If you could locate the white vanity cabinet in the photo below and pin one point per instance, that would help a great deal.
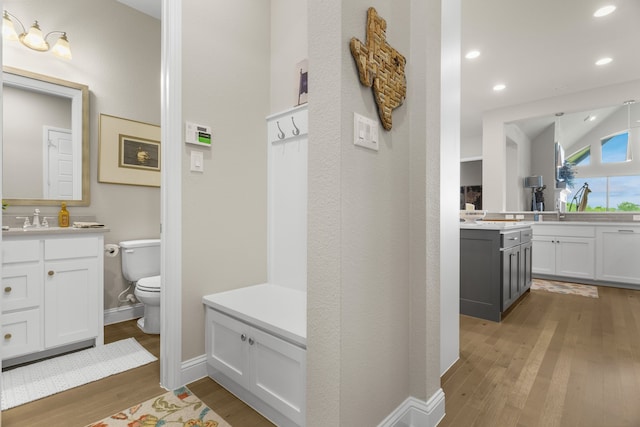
(564, 251)
(22, 278)
(52, 297)
(618, 252)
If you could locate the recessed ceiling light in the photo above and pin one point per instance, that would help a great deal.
(603, 61)
(499, 87)
(472, 54)
(604, 11)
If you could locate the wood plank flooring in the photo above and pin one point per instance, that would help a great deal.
(555, 360)
(92, 402)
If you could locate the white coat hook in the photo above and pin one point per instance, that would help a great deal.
(295, 130)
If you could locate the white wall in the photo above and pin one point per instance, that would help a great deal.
(615, 123)
(493, 137)
(543, 162)
(471, 147)
(122, 71)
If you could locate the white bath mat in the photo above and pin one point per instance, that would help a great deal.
(51, 376)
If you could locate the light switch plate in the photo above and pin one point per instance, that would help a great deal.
(365, 132)
(197, 161)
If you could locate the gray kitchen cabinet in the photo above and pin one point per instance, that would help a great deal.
(495, 269)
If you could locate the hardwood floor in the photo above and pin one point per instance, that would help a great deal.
(92, 402)
(555, 360)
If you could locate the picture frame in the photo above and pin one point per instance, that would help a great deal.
(302, 74)
(139, 153)
(129, 152)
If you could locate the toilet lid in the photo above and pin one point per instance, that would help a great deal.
(149, 284)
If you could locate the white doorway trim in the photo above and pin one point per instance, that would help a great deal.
(171, 196)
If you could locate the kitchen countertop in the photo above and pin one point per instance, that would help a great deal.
(590, 223)
(495, 225)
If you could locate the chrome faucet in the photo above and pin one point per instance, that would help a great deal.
(36, 218)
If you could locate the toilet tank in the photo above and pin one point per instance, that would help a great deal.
(140, 258)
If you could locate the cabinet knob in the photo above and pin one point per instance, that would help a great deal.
(7, 289)
(243, 337)
(7, 336)
(251, 341)
(51, 273)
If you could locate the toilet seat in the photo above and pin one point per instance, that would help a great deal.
(149, 284)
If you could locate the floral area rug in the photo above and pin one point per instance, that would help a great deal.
(175, 408)
(565, 288)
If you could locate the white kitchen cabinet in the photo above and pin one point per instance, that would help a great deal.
(52, 294)
(618, 249)
(564, 251)
(260, 364)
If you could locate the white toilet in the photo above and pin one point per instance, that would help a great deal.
(141, 265)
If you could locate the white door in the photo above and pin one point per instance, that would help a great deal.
(60, 162)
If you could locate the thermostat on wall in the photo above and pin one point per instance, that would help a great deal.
(197, 134)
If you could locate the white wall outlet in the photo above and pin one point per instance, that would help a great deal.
(520, 216)
(508, 216)
(197, 161)
(636, 217)
(365, 132)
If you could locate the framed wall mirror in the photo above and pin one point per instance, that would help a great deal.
(45, 140)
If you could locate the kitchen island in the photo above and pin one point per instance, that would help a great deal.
(495, 267)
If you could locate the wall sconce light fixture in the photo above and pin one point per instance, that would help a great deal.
(33, 39)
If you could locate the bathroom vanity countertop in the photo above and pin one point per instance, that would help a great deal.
(279, 310)
(52, 231)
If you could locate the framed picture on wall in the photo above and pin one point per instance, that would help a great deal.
(139, 153)
(302, 72)
(129, 152)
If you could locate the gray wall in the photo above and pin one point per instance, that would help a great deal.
(373, 290)
(116, 52)
(471, 173)
(224, 208)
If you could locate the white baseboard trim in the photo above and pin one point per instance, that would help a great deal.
(121, 314)
(193, 369)
(417, 413)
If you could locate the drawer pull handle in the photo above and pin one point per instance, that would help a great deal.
(7, 336)
(251, 341)
(243, 337)
(51, 273)
(625, 231)
(513, 238)
(8, 289)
